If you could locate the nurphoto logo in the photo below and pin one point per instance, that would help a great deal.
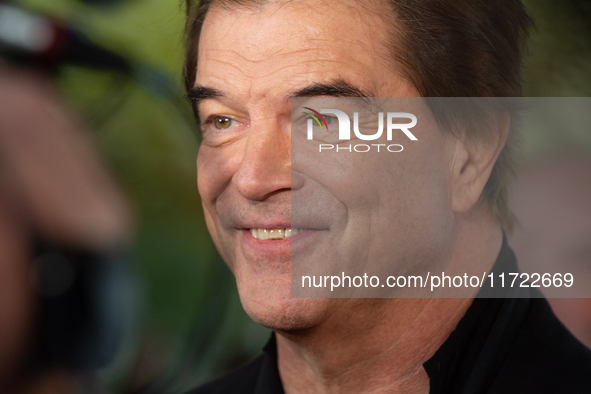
(344, 122)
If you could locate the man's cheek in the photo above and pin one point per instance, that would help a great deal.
(221, 240)
(215, 169)
(209, 195)
(209, 183)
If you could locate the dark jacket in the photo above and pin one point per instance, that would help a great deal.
(501, 346)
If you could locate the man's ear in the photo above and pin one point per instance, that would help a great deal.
(472, 164)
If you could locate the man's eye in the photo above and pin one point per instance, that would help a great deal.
(223, 122)
(327, 119)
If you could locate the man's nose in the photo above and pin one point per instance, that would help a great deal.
(265, 168)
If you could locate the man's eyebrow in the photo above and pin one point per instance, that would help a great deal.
(338, 88)
(198, 93)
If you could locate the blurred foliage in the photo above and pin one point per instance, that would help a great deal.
(189, 332)
(559, 61)
(558, 65)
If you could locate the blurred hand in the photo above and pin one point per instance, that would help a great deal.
(50, 171)
(52, 185)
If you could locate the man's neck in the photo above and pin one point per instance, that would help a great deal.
(380, 345)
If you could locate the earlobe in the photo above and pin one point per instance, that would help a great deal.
(472, 165)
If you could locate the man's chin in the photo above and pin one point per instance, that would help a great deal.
(270, 305)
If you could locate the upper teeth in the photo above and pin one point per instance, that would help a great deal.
(275, 233)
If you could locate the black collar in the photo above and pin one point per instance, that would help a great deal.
(470, 359)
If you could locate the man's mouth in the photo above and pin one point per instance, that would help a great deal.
(273, 234)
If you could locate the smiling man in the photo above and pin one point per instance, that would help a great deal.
(442, 203)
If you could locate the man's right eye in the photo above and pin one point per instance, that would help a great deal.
(223, 122)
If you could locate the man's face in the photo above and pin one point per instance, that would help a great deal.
(255, 60)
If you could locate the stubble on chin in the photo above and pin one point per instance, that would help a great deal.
(270, 304)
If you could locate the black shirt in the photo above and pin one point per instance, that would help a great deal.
(501, 345)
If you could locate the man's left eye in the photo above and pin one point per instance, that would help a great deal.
(223, 122)
(327, 119)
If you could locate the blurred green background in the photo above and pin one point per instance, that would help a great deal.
(192, 324)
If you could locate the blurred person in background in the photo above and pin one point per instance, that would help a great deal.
(551, 200)
(63, 224)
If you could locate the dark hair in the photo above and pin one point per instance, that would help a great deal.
(445, 48)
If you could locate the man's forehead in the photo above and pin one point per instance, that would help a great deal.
(299, 28)
(312, 16)
(295, 42)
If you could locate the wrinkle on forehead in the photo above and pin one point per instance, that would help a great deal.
(261, 51)
(307, 24)
(264, 71)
